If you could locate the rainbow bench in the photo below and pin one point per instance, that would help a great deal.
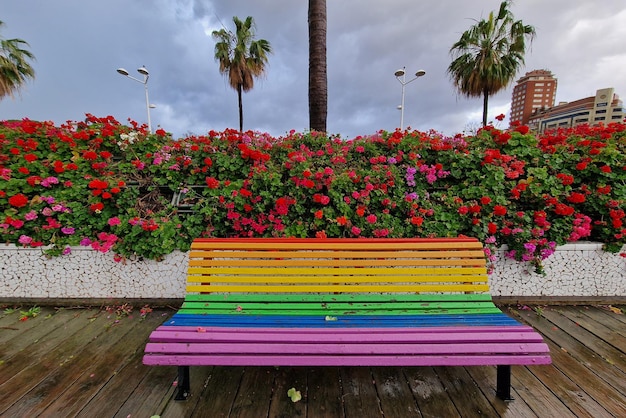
(341, 302)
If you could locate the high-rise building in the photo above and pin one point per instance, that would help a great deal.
(534, 91)
(604, 107)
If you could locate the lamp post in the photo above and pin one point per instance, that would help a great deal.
(401, 77)
(143, 71)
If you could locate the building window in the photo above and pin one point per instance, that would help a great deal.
(603, 104)
(599, 118)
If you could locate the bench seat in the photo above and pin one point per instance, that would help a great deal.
(348, 302)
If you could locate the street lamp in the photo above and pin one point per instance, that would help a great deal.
(143, 71)
(401, 77)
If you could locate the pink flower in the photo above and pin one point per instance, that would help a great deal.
(356, 231)
(49, 181)
(371, 218)
(114, 221)
(25, 240)
(30, 216)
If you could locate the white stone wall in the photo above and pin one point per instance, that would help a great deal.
(574, 270)
(85, 273)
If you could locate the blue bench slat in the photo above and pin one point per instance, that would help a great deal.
(365, 321)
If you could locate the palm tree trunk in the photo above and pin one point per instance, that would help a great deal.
(239, 94)
(318, 82)
(485, 106)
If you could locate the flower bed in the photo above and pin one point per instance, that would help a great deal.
(117, 189)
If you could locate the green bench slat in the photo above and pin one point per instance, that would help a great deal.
(341, 308)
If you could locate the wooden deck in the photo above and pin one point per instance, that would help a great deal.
(87, 363)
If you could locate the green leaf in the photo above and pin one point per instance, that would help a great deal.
(294, 394)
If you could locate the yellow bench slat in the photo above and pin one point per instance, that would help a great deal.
(383, 288)
(288, 280)
(338, 271)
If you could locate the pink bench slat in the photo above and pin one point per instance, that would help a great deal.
(328, 360)
(389, 336)
(382, 347)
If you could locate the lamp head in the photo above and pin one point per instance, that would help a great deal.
(142, 70)
(399, 73)
(420, 73)
(122, 71)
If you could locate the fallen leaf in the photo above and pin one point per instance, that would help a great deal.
(615, 310)
(294, 394)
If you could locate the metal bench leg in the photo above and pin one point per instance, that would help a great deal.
(183, 383)
(503, 388)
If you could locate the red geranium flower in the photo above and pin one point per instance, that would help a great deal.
(575, 197)
(18, 201)
(499, 210)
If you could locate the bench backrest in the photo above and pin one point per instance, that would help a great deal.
(305, 265)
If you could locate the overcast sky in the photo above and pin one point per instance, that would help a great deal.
(79, 44)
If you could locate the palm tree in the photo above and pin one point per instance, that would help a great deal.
(14, 66)
(241, 57)
(489, 54)
(318, 82)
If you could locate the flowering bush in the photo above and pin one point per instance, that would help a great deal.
(118, 188)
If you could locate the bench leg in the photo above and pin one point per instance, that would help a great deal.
(182, 392)
(503, 388)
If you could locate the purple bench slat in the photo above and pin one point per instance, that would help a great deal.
(383, 348)
(444, 335)
(355, 330)
(328, 360)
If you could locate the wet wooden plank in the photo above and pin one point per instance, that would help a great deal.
(101, 368)
(536, 395)
(281, 405)
(601, 392)
(396, 397)
(220, 393)
(324, 394)
(430, 394)
(608, 318)
(464, 392)
(485, 378)
(50, 326)
(605, 332)
(580, 379)
(12, 330)
(581, 350)
(255, 393)
(122, 386)
(156, 394)
(571, 387)
(20, 374)
(73, 357)
(359, 393)
(569, 393)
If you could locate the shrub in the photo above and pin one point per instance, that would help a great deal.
(118, 188)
